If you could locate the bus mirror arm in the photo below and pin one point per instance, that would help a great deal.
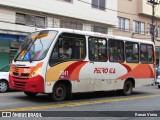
(30, 59)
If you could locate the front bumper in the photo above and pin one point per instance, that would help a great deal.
(35, 84)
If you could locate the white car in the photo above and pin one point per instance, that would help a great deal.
(158, 81)
(4, 79)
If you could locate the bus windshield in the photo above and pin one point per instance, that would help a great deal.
(35, 46)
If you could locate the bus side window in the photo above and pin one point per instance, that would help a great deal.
(116, 50)
(54, 54)
(132, 52)
(150, 54)
(97, 49)
(143, 53)
(68, 47)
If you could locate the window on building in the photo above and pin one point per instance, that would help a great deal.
(148, 29)
(100, 29)
(131, 51)
(123, 24)
(138, 27)
(97, 49)
(157, 31)
(99, 4)
(116, 50)
(71, 24)
(40, 21)
(146, 53)
(30, 20)
(20, 19)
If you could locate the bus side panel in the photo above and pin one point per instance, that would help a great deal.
(98, 76)
(143, 82)
(139, 71)
(106, 74)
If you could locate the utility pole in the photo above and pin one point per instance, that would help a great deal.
(152, 29)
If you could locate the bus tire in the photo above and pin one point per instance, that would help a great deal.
(30, 94)
(3, 86)
(59, 92)
(127, 88)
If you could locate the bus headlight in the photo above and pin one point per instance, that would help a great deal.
(35, 72)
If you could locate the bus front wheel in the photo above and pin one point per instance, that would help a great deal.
(59, 92)
(127, 88)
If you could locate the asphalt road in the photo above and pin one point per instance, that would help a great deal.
(99, 105)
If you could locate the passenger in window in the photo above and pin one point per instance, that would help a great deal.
(135, 57)
(143, 57)
(115, 57)
(66, 51)
(118, 57)
(103, 57)
(150, 59)
(110, 57)
(129, 57)
(54, 55)
(91, 55)
(110, 54)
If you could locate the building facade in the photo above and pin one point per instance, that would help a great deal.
(134, 20)
(19, 17)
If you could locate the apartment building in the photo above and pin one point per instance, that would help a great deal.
(19, 17)
(134, 19)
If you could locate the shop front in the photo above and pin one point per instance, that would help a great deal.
(8, 47)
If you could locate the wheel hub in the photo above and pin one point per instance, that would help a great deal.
(59, 92)
(3, 86)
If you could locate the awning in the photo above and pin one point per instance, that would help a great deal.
(12, 37)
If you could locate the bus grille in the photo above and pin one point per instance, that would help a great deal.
(18, 84)
(24, 75)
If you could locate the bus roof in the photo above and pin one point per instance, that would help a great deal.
(96, 34)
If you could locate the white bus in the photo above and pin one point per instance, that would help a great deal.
(91, 62)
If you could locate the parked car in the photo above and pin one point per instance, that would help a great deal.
(158, 77)
(4, 81)
(158, 81)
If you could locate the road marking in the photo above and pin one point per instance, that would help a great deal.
(73, 104)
